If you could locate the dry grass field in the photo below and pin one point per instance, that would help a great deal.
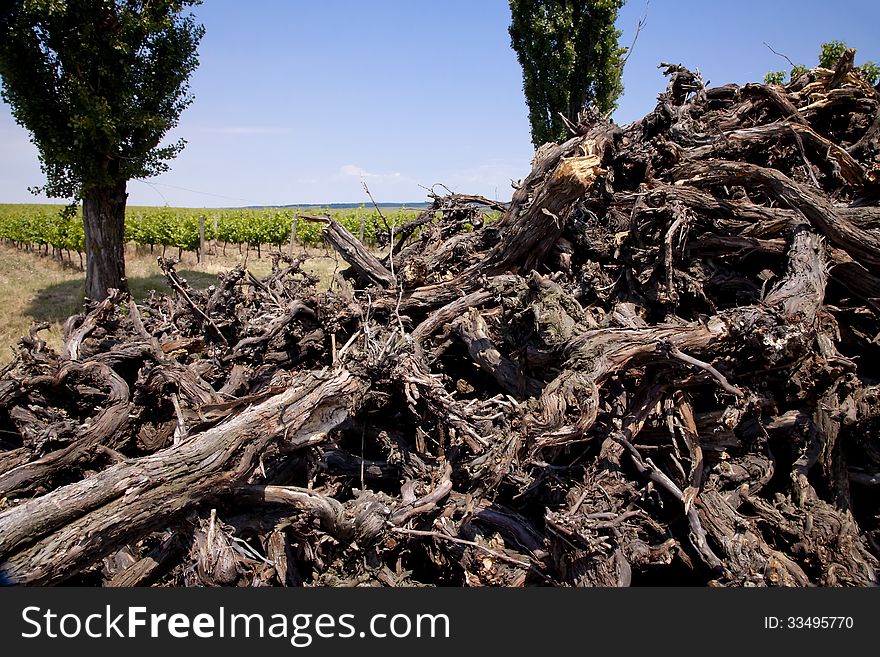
(35, 288)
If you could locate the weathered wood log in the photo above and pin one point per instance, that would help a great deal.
(45, 540)
(473, 330)
(144, 571)
(530, 232)
(353, 252)
(274, 327)
(861, 245)
(758, 137)
(105, 430)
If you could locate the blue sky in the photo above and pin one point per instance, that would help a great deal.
(298, 102)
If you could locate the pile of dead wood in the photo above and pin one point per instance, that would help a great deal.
(658, 364)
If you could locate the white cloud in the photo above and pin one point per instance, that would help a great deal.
(247, 130)
(358, 172)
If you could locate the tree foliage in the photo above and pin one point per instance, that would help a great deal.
(98, 83)
(830, 53)
(569, 53)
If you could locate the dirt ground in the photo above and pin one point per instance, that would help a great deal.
(37, 288)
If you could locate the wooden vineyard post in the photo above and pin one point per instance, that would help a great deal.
(363, 222)
(293, 227)
(138, 247)
(214, 238)
(201, 255)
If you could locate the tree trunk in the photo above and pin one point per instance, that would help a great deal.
(104, 226)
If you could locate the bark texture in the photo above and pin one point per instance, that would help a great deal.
(104, 227)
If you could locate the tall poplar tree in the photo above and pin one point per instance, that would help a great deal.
(98, 84)
(569, 53)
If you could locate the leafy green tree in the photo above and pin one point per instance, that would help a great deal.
(870, 71)
(569, 53)
(775, 77)
(829, 54)
(98, 83)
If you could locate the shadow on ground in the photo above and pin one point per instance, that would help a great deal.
(55, 303)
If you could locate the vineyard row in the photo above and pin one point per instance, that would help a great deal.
(45, 227)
